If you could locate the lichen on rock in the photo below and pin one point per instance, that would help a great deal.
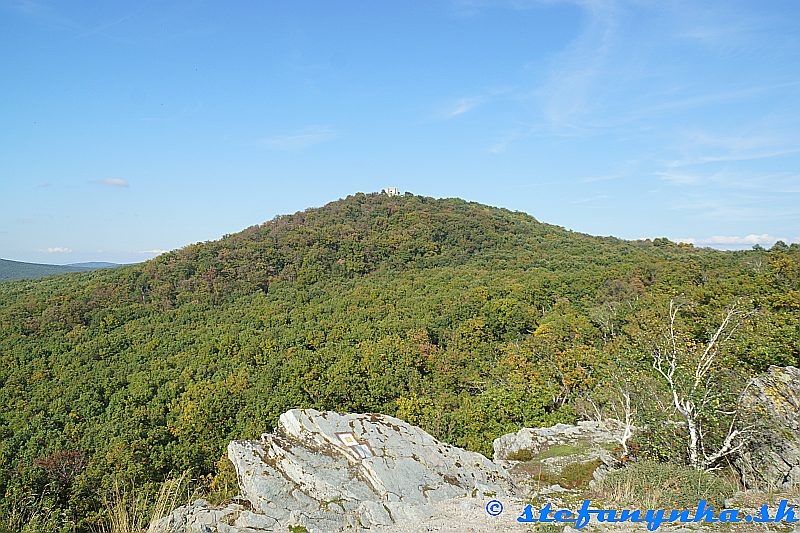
(770, 458)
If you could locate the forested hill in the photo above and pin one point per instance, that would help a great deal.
(18, 270)
(10, 270)
(467, 320)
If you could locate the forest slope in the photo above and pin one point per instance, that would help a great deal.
(468, 320)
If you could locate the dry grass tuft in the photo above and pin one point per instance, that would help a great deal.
(651, 485)
(130, 511)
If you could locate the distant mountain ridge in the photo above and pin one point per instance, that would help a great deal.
(11, 270)
(94, 264)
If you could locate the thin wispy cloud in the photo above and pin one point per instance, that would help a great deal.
(769, 136)
(571, 88)
(58, 250)
(597, 201)
(604, 177)
(475, 7)
(466, 104)
(782, 183)
(300, 139)
(41, 13)
(606, 81)
(59, 17)
(566, 96)
(498, 147)
(507, 139)
(102, 28)
(680, 178)
(620, 171)
(736, 207)
(715, 208)
(113, 182)
(669, 101)
(154, 251)
(742, 155)
(715, 34)
(741, 162)
(719, 25)
(461, 106)
(752, 182)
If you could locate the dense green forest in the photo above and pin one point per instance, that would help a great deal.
(467, 320)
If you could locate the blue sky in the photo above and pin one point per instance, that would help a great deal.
(129, 128)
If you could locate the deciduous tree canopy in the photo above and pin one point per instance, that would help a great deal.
(468, 320)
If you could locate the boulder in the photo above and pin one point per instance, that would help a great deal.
(327, 471)
(770, 458)
(593, 438)
(564, 456)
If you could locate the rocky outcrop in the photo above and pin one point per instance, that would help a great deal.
(563, 456)
(770, 459)
(590, 438)
(327, 471)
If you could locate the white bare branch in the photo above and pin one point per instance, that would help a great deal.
(671, 356)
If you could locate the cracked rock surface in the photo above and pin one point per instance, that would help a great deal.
(770, 458)
(327, 471)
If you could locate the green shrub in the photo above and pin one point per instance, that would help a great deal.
(662, 442)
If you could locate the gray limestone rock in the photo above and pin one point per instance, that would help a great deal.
(327, 471)
(590, 437)
(200, 517)
(563, 455)
(770, 459)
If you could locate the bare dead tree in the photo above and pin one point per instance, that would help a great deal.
(692, 393)
(619, 408)
(627, 428)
